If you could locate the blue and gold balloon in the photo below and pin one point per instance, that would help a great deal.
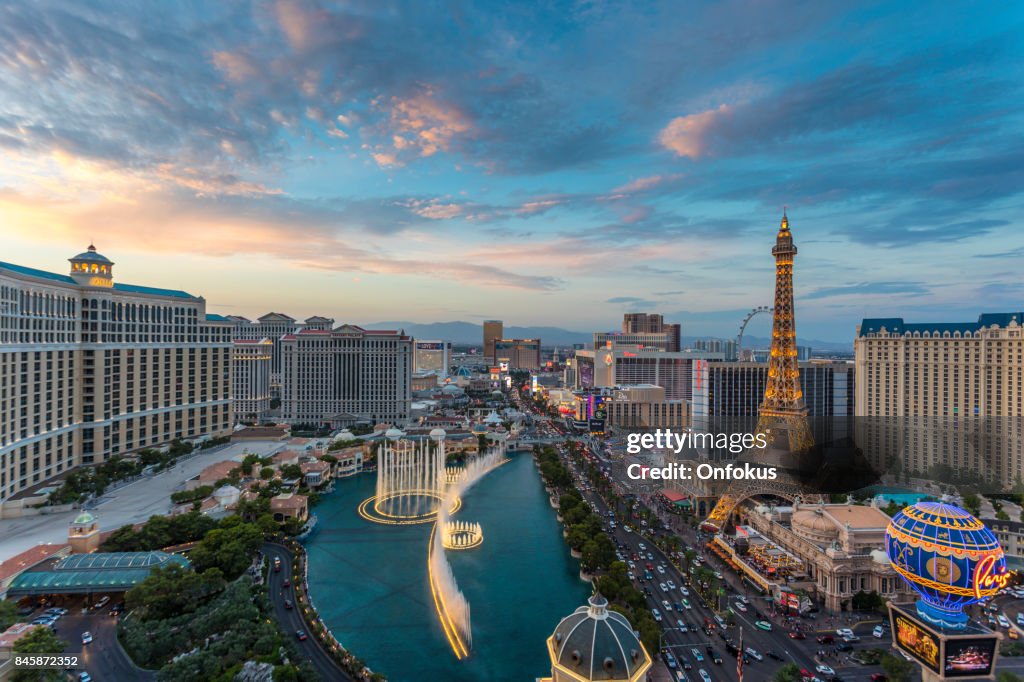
(948, 557)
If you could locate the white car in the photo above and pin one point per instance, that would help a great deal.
(86, 637)
(685, 592)
(661, 569)
(741, 607)
(754, 653)
(844, 632)
(663, 586)
(824, 669)
(671, 585)
(668, 607)
(704, 675)
(682, 626)
(1003, 622)
(657, 615)
(642, 547)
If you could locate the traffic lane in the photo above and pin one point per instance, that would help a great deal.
(103, 658)
(291, 620)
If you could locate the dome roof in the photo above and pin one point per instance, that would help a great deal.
(437, 434)
(393, 433)
(226, 490)
(814, 521)
(91, 256)
(596, 643)
(452, 389)
(84, 518)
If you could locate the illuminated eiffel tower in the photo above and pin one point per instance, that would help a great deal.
(783, 414)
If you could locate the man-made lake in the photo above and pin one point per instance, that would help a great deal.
(370, 584)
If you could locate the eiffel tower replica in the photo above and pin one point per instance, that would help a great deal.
(782, 418)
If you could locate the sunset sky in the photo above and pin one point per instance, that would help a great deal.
(549, 163)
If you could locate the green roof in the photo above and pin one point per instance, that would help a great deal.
(154, 291)
(127, 288)
(32, 272)
(98, 572)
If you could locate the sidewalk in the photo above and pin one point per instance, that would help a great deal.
(133, 502)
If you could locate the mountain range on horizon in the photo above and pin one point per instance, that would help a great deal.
(469, 333)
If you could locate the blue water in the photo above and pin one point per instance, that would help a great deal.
(898, 495)
(370, 582)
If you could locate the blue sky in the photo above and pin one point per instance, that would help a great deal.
(545, 163)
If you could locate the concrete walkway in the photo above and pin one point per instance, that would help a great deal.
(132, 503)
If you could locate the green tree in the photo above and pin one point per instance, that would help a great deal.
(41, 640)
(8, 614)
(266, 473)
(173, 591)
(1009, 677)
(229, 548)
(788, 673)
(897, 668)
(291, 472)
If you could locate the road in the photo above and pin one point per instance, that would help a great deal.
(103, 658)
(800, 652)
(291, 620)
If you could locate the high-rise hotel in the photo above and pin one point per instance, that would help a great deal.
(948, 393)
(346, 375)
(90, 368)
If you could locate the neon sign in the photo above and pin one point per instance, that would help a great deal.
(986, 578)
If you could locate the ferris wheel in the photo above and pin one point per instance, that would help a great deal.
(743, 327)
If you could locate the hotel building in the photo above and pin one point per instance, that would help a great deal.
(518, 353)
(642, 329)
(273, 326)
(90, 369)
(250, 363)
(432, 356)
(346, 376)
(493, 330)
(645, 407)
(948, 393)
(633, 365)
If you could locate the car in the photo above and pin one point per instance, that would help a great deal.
(844, 632)
(686, 664)
(664, 602)
(878, 632)
(704, 675)
(879, 677)
(774, 656)
(825, 639)
(657, 615)
(753, 653)
(715, 656)
(764, 625)
(288, 603)
(796, 634)
(824, 670)
(1003, 622)
(650, 556)
(1012, 634)
(84, 677)
(679, 607)
(642, 547)
(740, 606)
(101, 603)
(851, 638)
(670, 660)
(844, 646)
(686, 604)
(300, 635)
(671, 585)
(86, 637)
(683, 591)
(719, 575)
(697, 655)
(59, 611)
(743, 598)
(663, 586)
(648, 576)
(661, 569)
(681, 625)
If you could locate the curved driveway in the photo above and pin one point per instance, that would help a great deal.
(291, 620)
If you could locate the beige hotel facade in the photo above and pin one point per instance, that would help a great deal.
(91, 368)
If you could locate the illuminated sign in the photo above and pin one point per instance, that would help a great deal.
(969, 657)
(987, 576)
(424, 345)
(914, 638)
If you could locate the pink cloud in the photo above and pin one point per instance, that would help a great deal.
(688, 135)
(642, 184)
(421, 125)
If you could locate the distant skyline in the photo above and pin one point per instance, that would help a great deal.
(547, 164)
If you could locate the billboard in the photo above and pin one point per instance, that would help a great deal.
(969, 657)
(912, 636)
(429, 345)
(595, 425)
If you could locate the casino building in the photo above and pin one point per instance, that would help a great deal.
(91, 368)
